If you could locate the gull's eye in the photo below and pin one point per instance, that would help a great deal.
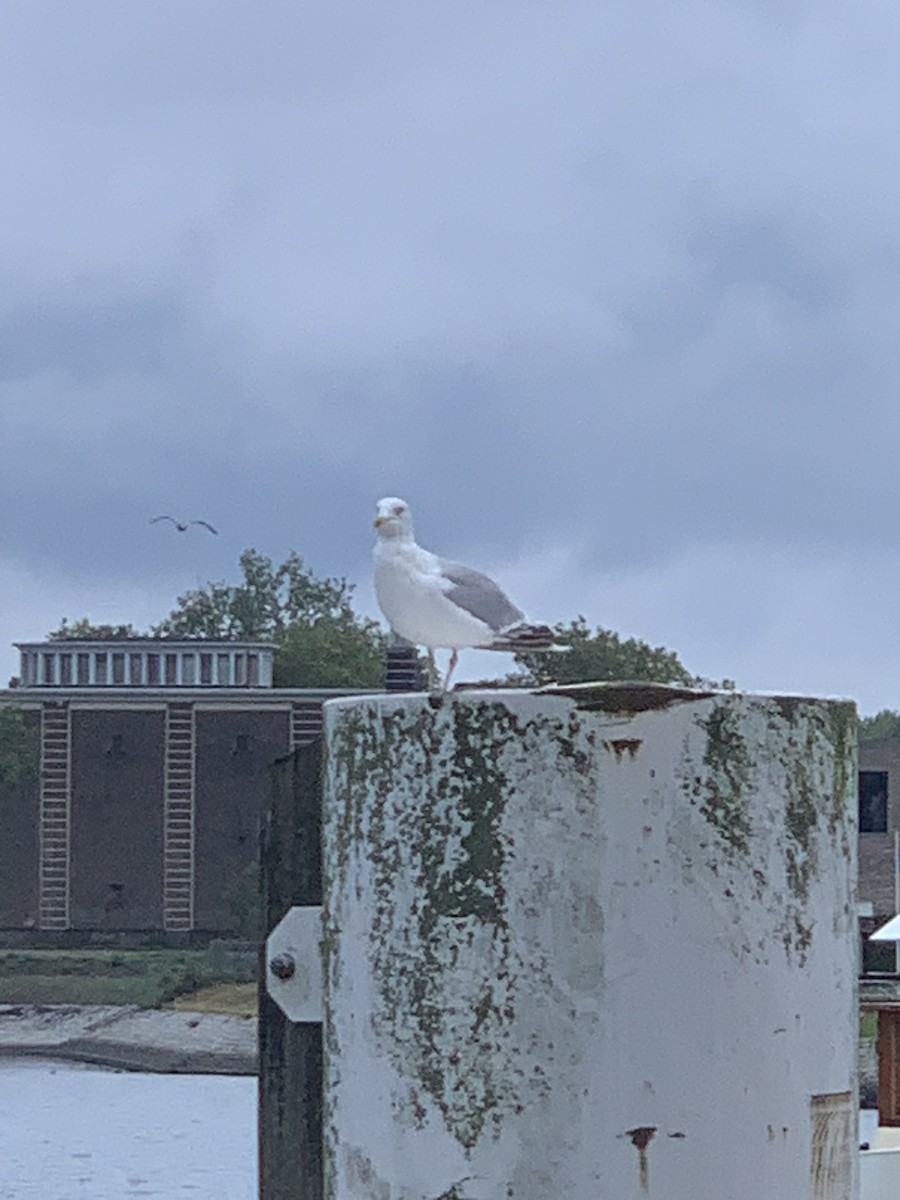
(399, 510)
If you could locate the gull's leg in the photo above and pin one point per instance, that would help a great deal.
(454, 659)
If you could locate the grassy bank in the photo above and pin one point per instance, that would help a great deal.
(238, 998)
(149, 978)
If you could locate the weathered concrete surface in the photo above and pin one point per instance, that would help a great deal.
(595, 943)
(132, 1038)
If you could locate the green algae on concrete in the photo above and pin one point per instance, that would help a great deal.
(445, 840)
(421, 794)
(798, 749)
(723, 791)
(502, 870)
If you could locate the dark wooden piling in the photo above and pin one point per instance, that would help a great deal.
(290, 1054)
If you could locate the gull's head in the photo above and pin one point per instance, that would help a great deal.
(393, 518)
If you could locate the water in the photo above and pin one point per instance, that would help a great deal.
(69, 1132)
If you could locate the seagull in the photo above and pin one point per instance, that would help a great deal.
(439, 604)
(183, 526)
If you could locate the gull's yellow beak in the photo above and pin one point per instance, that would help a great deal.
(379, 521)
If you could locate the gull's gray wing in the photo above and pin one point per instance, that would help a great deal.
(479, 595)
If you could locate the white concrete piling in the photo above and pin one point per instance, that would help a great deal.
(597, 944)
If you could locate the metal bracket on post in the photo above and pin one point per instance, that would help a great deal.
(294, 977)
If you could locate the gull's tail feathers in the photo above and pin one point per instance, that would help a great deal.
(525, 637)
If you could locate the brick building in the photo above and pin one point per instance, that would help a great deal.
(150, 775)
(879, 826)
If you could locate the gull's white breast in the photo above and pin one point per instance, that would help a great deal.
(411, 593)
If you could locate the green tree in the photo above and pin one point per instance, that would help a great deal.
(883, 727)
(319, 640)
(341, 651)
(83, 630)
(603, 655)
(262, 606)
(20, 749)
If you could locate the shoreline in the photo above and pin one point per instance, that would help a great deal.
(126, 1037)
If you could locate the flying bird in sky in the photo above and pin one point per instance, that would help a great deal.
(439, 604)
(183, 526)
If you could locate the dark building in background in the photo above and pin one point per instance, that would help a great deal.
(150, 774)
(879, 845)
(150, 778)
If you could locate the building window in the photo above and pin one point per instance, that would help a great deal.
(240, 670)
(171, 670)
(242, 757)
(253, 670)
(49, 673)
(118, 668)
(878, 958)
(115, 752)
(116, 899)
(137, 673)
(224, 671)
(100, 667)
(873, 798)
(205, 669)
(65, 669)
(84, 670)
(153, 670)
(187, 670)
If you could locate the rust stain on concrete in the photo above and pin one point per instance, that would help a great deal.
(622, 746)
(641, 1137)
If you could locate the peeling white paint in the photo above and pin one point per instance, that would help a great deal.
(581, 952)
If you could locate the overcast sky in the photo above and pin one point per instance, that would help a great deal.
(608, 290)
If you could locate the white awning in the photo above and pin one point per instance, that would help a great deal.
(887, 933)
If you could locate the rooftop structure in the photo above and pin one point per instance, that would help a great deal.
(145, 663)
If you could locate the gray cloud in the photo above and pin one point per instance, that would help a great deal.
(621, 278)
